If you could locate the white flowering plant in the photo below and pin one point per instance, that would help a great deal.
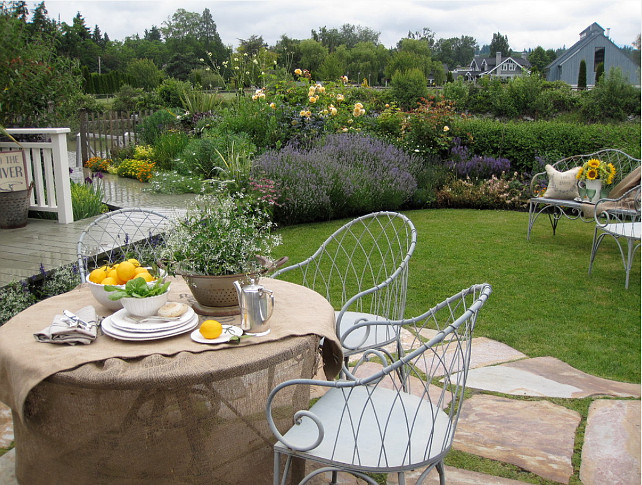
(220, 234)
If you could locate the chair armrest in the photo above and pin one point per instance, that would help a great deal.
(625, 208)
(536, 183)
(300, 414)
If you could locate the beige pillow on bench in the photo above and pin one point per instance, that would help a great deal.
(561, 185)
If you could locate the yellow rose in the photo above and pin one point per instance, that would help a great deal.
(298, 72)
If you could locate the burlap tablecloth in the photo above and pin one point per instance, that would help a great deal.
(163, 411)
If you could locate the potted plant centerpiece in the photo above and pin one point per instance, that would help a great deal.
(222, 238)
(595, 174)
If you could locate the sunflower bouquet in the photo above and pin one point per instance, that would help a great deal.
(596, 169)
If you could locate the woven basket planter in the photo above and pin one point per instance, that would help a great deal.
(14, 208)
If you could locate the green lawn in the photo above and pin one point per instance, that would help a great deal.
(544, 303)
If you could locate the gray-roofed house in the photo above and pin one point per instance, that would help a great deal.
(594, 48)
(497, 66)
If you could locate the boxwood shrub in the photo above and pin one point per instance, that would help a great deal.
(522, 142)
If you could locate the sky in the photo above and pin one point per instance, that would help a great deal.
(551, 24)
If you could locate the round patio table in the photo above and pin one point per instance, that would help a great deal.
(178, 412)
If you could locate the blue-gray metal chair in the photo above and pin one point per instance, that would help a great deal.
(362, 270)
(124, 233)
(398, 418)
(620, 219)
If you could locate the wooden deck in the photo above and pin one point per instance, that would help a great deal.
(49, 245)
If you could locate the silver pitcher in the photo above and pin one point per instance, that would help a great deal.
(257, 304)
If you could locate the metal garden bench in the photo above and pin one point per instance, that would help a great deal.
(572, 208)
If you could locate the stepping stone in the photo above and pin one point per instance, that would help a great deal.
(484, 352)
(454, 476)
(8, 468)
(546, 376)
(537, 436)
(611, 451)
(6, 427)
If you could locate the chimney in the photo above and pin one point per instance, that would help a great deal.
(498, 58)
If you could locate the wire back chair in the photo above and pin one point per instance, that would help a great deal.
(121, 234)
(362, 270)
(398, 418)
(620, 219)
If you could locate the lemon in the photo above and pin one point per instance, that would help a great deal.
(133, 261)
(146, 276)
(113, 274)
(97, 275)
(126, 271)
(211, 329)
(141, 269)
(109, 281)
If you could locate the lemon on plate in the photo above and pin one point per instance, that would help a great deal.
(211, 329)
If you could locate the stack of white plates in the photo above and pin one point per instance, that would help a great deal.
(123, 326)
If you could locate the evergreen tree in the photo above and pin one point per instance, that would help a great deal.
(581, 77)
(500, 44)
(599, 72)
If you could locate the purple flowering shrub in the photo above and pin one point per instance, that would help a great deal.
(476, 166)
(342, 175)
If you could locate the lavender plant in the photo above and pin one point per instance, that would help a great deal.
(341, 175)
(476, 166)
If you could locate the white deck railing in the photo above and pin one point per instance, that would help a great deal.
(47, 168)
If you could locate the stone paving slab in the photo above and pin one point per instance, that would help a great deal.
(454, 476)
(485, 351)
(6, 426)
(537, 436)
(611, 451)
(8, 468)
(546, 376)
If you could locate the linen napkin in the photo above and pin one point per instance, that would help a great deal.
(67, 330)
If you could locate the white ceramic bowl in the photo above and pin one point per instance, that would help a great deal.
(144, 307)
(102, 297)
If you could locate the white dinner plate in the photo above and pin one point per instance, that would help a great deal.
(109, 329)
(229, 331)
(122, 321)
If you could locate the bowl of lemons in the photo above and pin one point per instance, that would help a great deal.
(118, 274)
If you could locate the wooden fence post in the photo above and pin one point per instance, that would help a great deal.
(84, 129)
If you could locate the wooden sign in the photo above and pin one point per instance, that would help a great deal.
(13, 171)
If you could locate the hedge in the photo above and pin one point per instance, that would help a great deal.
(522, 142)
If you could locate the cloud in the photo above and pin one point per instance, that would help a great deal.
(526, 23)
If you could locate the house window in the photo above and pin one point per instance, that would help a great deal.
(599, 57)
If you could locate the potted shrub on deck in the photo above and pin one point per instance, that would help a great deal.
(216, 243)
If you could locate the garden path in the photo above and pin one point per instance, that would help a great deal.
(510, 417)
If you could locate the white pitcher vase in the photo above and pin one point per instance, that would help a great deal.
(595, 185)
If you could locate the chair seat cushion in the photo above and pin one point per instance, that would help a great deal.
(623, 229)
(374, 335)
(561, 185)
(369, 429)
